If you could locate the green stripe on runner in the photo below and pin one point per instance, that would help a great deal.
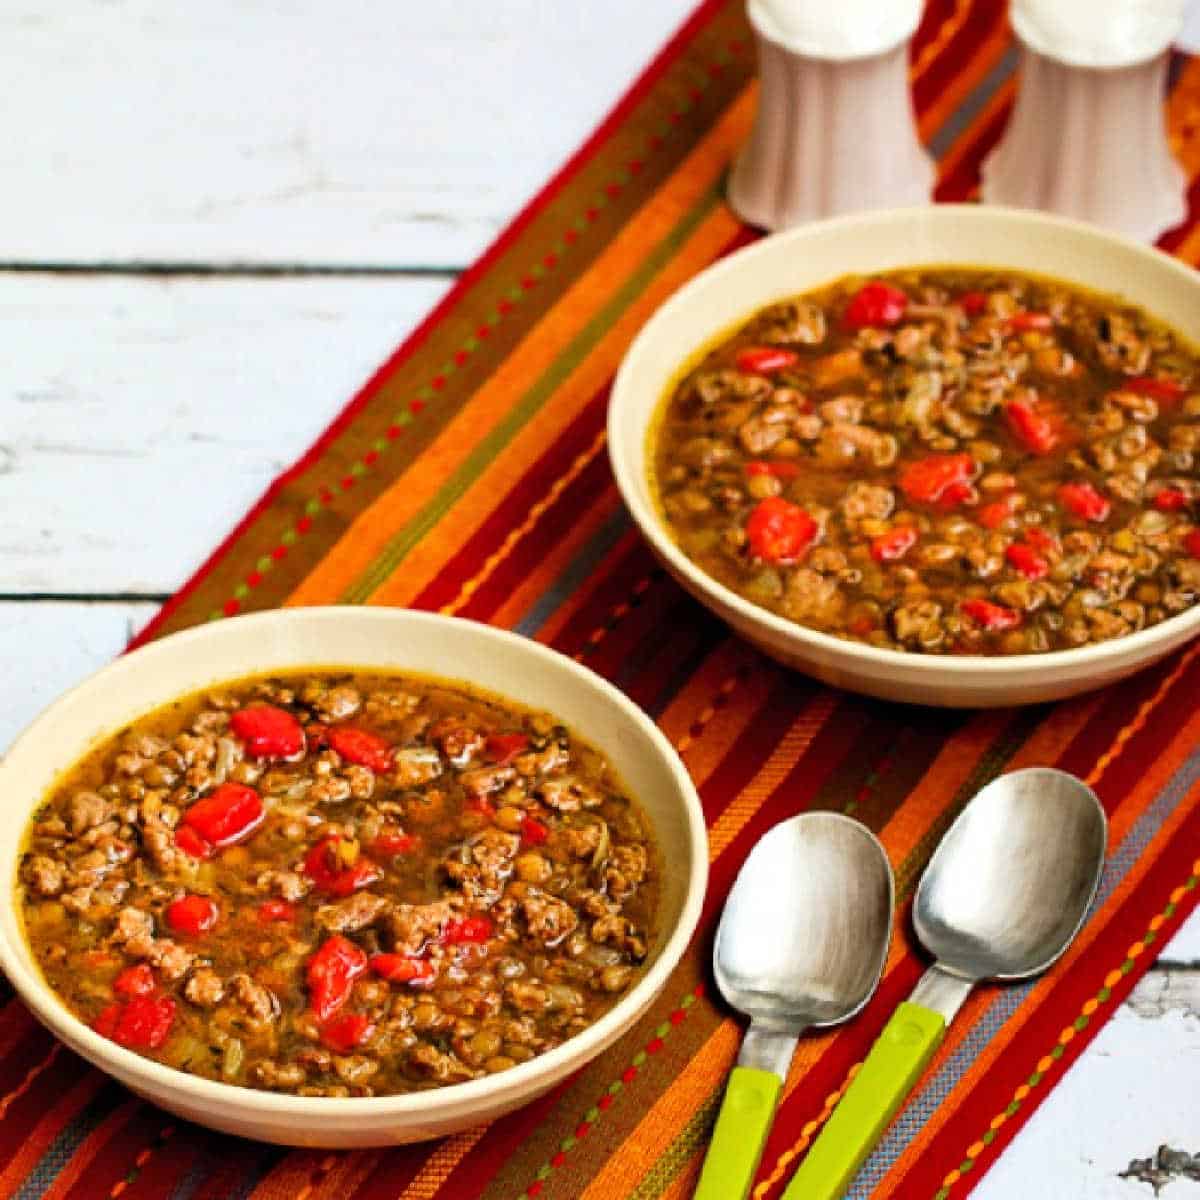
(401, 544)
(681, 1151)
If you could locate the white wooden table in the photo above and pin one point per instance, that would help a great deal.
(217, 219)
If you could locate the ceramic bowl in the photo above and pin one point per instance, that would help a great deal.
(371, 639)
(968, 235)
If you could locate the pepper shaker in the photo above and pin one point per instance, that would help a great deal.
(1087, 137)
(834, 131)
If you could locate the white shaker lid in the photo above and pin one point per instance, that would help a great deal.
(835, 29)
(1098, 33)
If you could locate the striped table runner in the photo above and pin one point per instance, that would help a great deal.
(469, 477)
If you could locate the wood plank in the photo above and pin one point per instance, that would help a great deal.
(139, 418)
(403, 133)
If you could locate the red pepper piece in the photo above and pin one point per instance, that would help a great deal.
(331, 974)
(779, 531)
(191, 843)
(1170, 499)
(875, 304)
(268, 732)
(141, 1023)
(1084, 501)
(956, 494)
(1039, 539)
(467, 929)
(275, 910)
(1036, 430)
(1022, 321)
(344, 1033)
(993, 515)
(137, 980)
(1157, 387)
(231, 813)
(105, 1023)
(362, 748)
(317, 735)
(192, 915)
(1027, 561)
(763, 360)
(1191, 543)
(403, 968)
(893, 545)
(533, 831)
(991, 616)
(504, 747)
(929, 479)
(973, 303)
(393, 842)
(781, 470)
(328, 873)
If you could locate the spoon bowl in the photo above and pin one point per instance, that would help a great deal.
(805, 930)
(1010, 884)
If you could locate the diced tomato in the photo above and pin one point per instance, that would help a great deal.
(1039, 539)
(331, 974)
(403, 968)
(1084, 501)
(1191, 543)
(344, 1033)
(141, 1023)
(1027, 561)
(192, 915)
(779, 531)
(533, 831)
(991, 616)
(191, 843)
(137, 980)
(232, 812)
(1170, 499)
(993, 515)
(362, 748)
(893, 545)
(929, 479)
(765, 359)
(270, 911)
(1022, 321)
(393, 842)
(875, 304)
(331, 875)
(1157, 387)
(1034, 428)
(268, 732)
(956, 494)
(973, 303)
(504, 747)
(467, 929)
(482, 805)
(781, 470)
(105, 1023)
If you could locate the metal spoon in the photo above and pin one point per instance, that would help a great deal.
(1004, 896)
(802, 942)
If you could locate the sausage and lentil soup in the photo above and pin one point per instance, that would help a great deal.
(943, 460)
(340, 885)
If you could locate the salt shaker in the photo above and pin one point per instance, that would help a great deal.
(1088, 137)
(834, 131)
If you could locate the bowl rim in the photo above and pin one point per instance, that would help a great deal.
(654, 529)
(522, 1078)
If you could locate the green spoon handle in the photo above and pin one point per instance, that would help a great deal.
(896, 1061)
(740, 1134)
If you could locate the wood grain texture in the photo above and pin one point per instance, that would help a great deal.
(297, 131)
(139, 418)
